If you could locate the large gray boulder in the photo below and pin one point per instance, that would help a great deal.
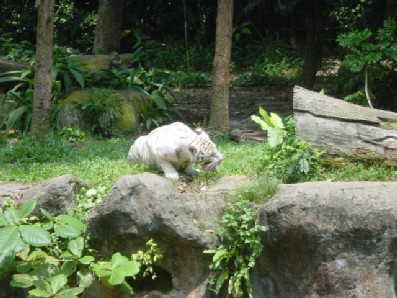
(329, 239)
(56, 195)
(145, 206)
(323, 239)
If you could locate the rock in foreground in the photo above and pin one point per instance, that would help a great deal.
(329, 240)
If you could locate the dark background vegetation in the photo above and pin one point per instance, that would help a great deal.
(274, 41)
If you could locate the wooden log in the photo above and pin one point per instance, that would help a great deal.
(8, 65)
(344, 128)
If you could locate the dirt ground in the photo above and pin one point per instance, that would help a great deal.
(244, 101)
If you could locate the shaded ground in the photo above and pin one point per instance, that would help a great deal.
(244, 101)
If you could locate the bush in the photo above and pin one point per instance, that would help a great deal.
(234, 259)
(287, 157)
(50, 256)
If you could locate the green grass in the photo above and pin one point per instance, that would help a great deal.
(100, 162)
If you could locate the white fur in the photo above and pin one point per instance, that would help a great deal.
(169, 147)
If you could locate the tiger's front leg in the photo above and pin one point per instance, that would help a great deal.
(190, 170)
(169, 170)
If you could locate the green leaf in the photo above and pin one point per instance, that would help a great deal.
(86, 260)
(37, 255)
(261, 122)
(116, 278)
(275, 136)
(102, 269)
(67, 226)
(57, 282)
(265, 116)
(159, 100)
(10, 79)
(66, 255)
(42, 285)
(3, 221)
(68, 268)
(220, 281)
(78, 77)
(117, 260)
(27, 208)
(69, 293)
(21, 281)
(46, 213)
(276, 121)
(11, 215)
(9, 239)
(129, 268)
(76, 246)
(39, 293)
(35, 236)
(220, 254)
(24, 267)
(84, 277)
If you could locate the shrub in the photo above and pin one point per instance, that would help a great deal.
(51, 257)
(369, 60)
(100, 111)
(234, 259)
(287, 157)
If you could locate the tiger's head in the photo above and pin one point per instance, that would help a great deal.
(205, 151)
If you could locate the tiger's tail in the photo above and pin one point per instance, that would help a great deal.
(139, 151)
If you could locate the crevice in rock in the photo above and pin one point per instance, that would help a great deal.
(163, 282)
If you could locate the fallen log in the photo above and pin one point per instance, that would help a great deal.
(339, 127)
(8, 65)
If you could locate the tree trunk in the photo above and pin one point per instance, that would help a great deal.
(219, 111)
(312, 46)
(40, 124)
(108, 28)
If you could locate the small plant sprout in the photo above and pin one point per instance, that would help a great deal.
(274, 126)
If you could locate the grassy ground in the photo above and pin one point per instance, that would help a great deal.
(100, 162)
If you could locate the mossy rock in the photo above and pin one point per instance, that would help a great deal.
(94, 63)
(129, 109)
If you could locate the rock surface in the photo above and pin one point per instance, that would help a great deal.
(145, 206)
(329, 239)
(127, 120)
(324, 239)
(57, 194)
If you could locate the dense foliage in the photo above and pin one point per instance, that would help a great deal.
(50, 255)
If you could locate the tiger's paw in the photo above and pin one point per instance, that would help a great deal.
(173, 176)
(190, 170)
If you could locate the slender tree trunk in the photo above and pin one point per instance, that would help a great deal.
(40, 124)
(219, 111)
(312, 47)
(108, 28)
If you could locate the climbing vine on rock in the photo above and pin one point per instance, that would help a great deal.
(233, 260)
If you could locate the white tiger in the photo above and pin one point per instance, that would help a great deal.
(171, 146)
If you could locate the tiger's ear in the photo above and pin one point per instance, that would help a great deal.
(199, 130)
(193, 149)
